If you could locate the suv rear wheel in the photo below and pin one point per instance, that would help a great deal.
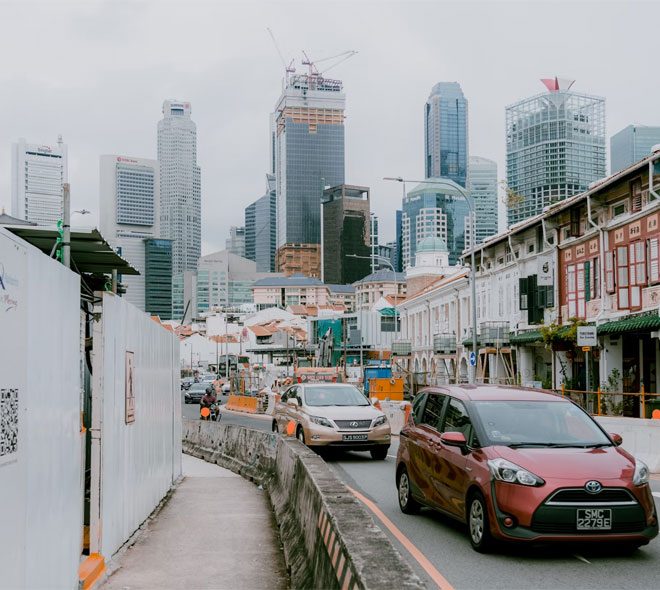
(478, 525)
(407, 503)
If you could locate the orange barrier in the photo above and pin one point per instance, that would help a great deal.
(386, 387)
(242, 403)
(90, 571)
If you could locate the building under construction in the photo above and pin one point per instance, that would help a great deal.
(346, 234)
(307, 145)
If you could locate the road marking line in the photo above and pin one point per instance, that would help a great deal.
(419, 557)
(582, 559)
(656, 494)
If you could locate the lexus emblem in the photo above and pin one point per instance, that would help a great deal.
(353, 424)
(593, 487)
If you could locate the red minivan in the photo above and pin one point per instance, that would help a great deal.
(524, 465)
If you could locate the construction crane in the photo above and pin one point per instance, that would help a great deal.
(313, 70)
(288, 69)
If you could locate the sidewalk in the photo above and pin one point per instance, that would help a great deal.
(216, 532)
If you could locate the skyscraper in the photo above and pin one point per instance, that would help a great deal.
(483, 191)
(347, 227)
(129, 214)
(260, 229)
(555, 147)
(434, 210)
(446, 133)
(308, 155)
(631, 144)
(235, 243)
(158, 277)
(180, 185)
(37, 174)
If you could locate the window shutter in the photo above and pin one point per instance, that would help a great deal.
(609, 272)
(575, 222)
(532, 300)
(550, 296)
(587, 281)
(522, 290)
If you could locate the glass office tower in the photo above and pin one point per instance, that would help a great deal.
(260, 229)
(632, 144)
(483, 191)
(555, 148)
(434, 210)
(446, 133)
(158, 277)
(308, 144)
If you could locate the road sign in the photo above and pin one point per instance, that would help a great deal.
(586, 336)
(586, 348)
(473, 359)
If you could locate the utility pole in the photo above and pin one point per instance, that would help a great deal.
(227, 345)
(66, 225)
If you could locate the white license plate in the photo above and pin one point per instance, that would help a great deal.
(352, 437)
(594, 519)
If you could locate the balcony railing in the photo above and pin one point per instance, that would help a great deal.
(444, 343)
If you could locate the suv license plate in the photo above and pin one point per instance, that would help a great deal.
(594, 519)
(351, 437)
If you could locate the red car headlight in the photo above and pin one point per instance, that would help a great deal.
(504, 470)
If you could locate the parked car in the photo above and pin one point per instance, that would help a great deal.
(333, 415)
(196, 393)
(521, 465)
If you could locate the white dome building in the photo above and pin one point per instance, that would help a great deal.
(431, 263)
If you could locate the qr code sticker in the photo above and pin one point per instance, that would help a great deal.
(8, 421)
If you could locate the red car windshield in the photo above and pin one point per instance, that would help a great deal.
(337, 395)
(538, 424)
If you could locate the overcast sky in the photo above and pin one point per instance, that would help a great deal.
(98, 71)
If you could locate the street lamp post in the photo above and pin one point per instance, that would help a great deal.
(473, 269)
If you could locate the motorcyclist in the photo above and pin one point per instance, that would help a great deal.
(209, 398)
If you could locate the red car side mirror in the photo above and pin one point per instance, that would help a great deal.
(454, 439)
(616, 438)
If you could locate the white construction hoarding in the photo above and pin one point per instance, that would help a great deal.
(136, 421)
(41, 498)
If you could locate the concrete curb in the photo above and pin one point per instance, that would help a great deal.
(329, 539)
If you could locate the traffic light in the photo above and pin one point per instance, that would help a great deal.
(59, 240)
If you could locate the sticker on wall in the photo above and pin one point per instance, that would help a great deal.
(8, 423)
(129, 388)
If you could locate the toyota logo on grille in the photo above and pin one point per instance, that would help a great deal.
(354, 424)
(593, 487)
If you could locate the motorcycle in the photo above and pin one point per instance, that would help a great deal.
(209, 412)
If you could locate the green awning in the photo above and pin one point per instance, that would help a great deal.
(529, 337)
(388, 312)
(644, 323)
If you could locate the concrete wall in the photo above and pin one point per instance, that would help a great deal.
(41, 500)
(641, 438)
(138, 461)
(329, 539)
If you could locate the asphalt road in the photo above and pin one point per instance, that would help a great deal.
(445, 545)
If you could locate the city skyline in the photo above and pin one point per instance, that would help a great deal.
(237, 146)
